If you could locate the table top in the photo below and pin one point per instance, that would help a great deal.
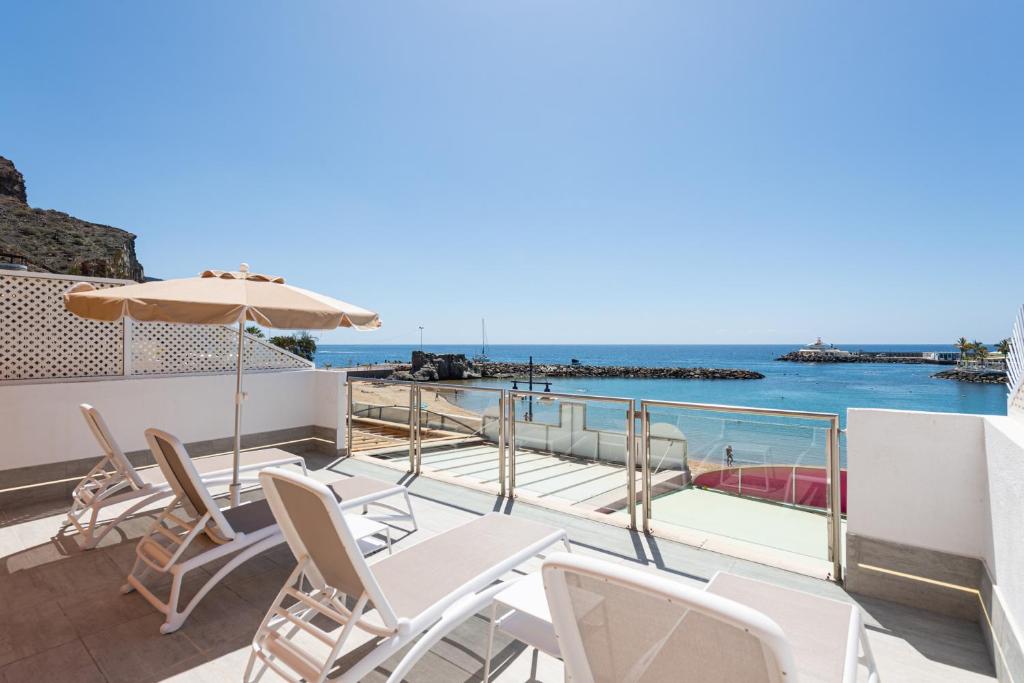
(526, 595)
(362, 527)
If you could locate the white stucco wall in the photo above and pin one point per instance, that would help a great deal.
(41, 423)
(1004, 547)
(918, 479)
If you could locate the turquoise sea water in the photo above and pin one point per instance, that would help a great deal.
(828, 388)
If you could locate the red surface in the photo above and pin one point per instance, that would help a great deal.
(783, 484)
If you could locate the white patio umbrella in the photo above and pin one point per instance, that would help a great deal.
(220, 297)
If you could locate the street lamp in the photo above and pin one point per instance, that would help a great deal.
(421, 337)
(515, 386)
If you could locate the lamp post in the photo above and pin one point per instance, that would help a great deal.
(421, 337)
(515, 385)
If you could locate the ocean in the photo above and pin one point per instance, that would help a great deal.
(830, 388)
(754, 439)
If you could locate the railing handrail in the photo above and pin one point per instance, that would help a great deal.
(429, 385)
(742, 410)
(577, 397)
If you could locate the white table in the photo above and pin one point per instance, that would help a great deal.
(527, 618)
(368, 533)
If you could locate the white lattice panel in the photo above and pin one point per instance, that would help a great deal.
(39, 339)
(166, 348)
(1015, 368)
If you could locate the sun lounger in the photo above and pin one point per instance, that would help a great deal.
(617, 623)
(241, 532)
(422, 592)
(114, 481)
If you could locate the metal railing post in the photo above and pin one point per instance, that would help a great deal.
(511, 442)
(834, 493)
(414, 413)
(350, 418)
(419, 431)
(501, 442)
(631, 463)
(645, 465)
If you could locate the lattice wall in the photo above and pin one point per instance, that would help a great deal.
(165, 348)
(40, 340)
(1015, 368)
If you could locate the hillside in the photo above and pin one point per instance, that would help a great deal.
(53, 242)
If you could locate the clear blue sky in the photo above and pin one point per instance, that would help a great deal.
(663, 172)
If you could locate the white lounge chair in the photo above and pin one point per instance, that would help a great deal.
(114, 481)
(243, 531)
(616, 623)
(423, 591)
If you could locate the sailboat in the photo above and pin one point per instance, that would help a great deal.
(482, 356)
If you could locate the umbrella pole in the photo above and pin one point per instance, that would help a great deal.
(235, 487)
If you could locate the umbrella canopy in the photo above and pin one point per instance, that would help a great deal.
(219, 297)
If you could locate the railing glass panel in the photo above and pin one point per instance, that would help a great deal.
(572, 452)
(757, 477)
(461, 435)
(381, 421)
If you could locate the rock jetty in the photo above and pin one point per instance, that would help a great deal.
(632, 372)
(979, 376)
(431, 367)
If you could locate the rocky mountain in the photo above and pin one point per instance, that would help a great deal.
(53, 242)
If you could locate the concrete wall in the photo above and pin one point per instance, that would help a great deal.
(918, 479)
(41, 423)
(1004, 541)
(940, 497)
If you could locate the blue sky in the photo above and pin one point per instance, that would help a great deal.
(599, 172)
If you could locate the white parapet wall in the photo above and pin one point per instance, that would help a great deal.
(935, 506)
(42, 424)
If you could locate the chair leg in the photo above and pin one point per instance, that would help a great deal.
(490, 642)
(868, 658)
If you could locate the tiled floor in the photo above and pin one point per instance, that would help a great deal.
(62, 617)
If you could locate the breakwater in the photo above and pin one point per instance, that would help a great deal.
(978, 376)
(517, 370)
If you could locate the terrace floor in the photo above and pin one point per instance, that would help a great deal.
(753, 528)
(63, 618)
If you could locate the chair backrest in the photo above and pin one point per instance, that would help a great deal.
(311, 520)
(616, 623)
(186, 483)
(118, 460)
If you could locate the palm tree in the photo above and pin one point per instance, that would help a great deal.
(1003, 346)
(980, 351)
(963, 346)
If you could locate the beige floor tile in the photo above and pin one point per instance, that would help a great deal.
(136, 650)
(27, 630)
(68, 663)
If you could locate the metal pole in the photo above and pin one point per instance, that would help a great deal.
(511, 445)
(529, 414)
(350, 422)
(421, 337)
(501, 443)
(235, 488)
(645, 465)
(835, 501)
(631, 463)
(414, 410)
(419, 432)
